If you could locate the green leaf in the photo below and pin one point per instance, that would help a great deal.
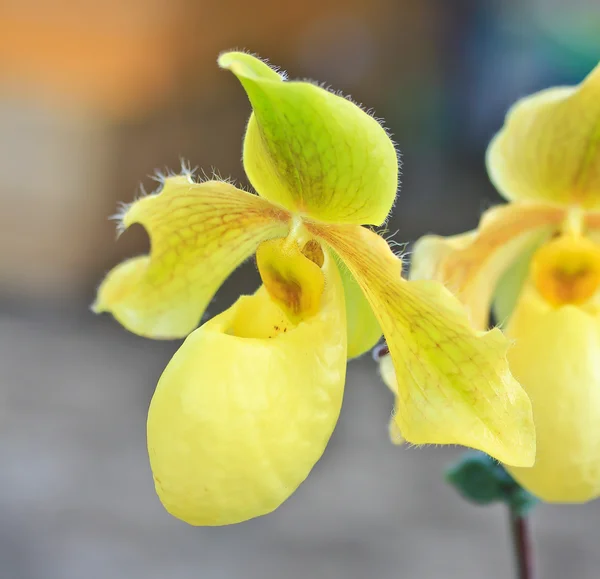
(482, 480)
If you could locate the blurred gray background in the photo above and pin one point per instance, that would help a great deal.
(93, 99)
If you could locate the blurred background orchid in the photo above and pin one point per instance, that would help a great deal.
(536, 262)
(94, 98)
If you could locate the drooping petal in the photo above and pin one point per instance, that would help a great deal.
(312, 151)
(246, 407)
(453, 383)
(556, 357)
(199, 233)
(364, 330)
(549, 147)
(471, 264)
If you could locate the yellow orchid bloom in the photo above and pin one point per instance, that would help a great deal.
(247, 405)
(536, 263)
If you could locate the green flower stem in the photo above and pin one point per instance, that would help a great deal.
(521, 536)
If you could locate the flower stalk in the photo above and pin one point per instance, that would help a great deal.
(521, 536)
(483, 481)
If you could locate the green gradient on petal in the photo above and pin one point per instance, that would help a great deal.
(314, 152)
(363, 328)
(511, 283)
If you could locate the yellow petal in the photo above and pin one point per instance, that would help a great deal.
(453, 383)
(246, 407)
(364, 330)
(388, 375)
(313, 151)
(292, 278)
(199, 233)
(556, 357)
(549, 147)
(471, 265)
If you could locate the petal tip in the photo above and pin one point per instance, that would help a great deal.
(248, 66)
(523, 457)
(226, 59)
(394, 433)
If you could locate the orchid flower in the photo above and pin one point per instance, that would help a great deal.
(247, 405)
(536, 263)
